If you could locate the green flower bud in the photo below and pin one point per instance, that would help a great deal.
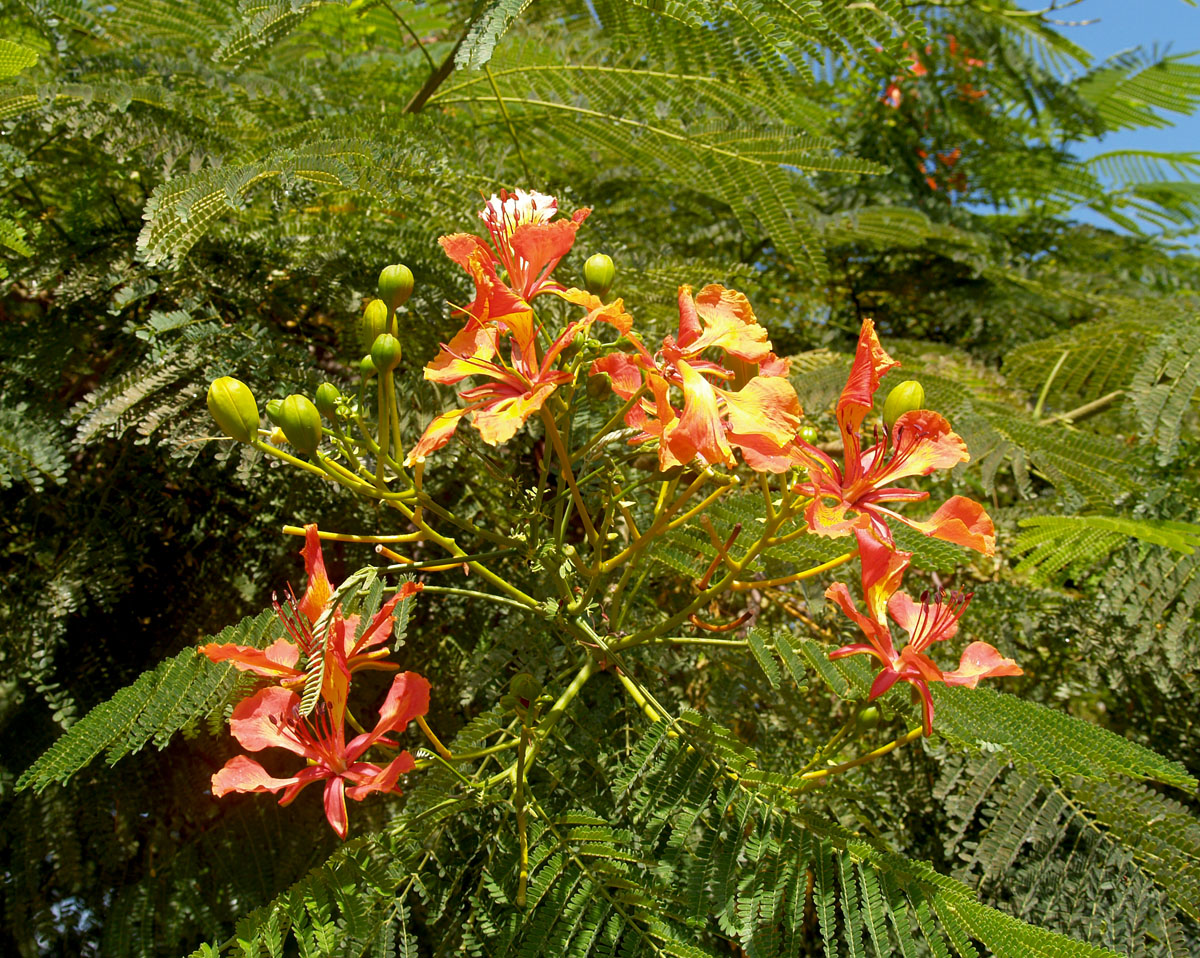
(906, 397)
(375, 320)
(327, 399)
(809, 434)
(273, 408)
(395, 285)
(508, 701)
(301, 423)
(232, 405)
(525, 687)
(385, 353)
(598, 274)
(366, 366)
(867, 719)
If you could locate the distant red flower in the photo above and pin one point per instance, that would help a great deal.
(933, 619)
(852, 495)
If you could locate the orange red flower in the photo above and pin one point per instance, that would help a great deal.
(933, 619)
(271, 719)
(746, 403)
(852, 495)
(282, 659)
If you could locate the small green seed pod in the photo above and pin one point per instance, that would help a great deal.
(525, 687)
(598, 274)
(386, 353)
(327, 399)
(395, 285)
(906, 397)
(301, 423)
(867, 719)
(273, 408)
(374, 323)
(232, 405)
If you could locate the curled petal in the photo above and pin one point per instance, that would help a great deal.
(882, 569)
(981, 661)
(277, 660)
(699, 430)
(407, 699)
(242, 774)
(319, 591)
(598, 311)
(623, 371)
(877, 633)
(499, 419)
(962, 521)
(883, 681)
(264, 720)
(335, 806)
(871, 362)
(371, 778)
(436, 435)
(729, 324)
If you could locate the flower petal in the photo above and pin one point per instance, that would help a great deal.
(335, 806)
(242, 774)
(319, 590)
(439, 432)
(499, 419)
(264, 720)
(962, 521)
(729, 324)
(407, 698)
(699, 430)
(277, 660)
(382, 780)
(623, 371)
(922, 442)
(871, 362)
(980, 661)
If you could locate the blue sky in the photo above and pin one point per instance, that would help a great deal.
(1172, 25)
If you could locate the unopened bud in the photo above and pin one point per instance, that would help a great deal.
(374, 322)
(273, 408)
(809, 434)
(598, 274)
(327, 399)
(366, 366)
(232, 405)
(301, 423)
(525, 687)
(385, 353)
(906, 397)
(395, 285)
(867, 719)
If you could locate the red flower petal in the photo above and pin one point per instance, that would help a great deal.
(242, 774)
(962, 521)
(319, 590)
(980, 661)
(335, 806)
(277, 660)
(264, 720)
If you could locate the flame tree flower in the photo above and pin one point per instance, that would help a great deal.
(760, 416)
(933, 619)
(920, 442)
(271, 719)
(281, 659)
(528, 243)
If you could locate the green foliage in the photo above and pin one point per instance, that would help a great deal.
(190, 196)
(178, 692)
